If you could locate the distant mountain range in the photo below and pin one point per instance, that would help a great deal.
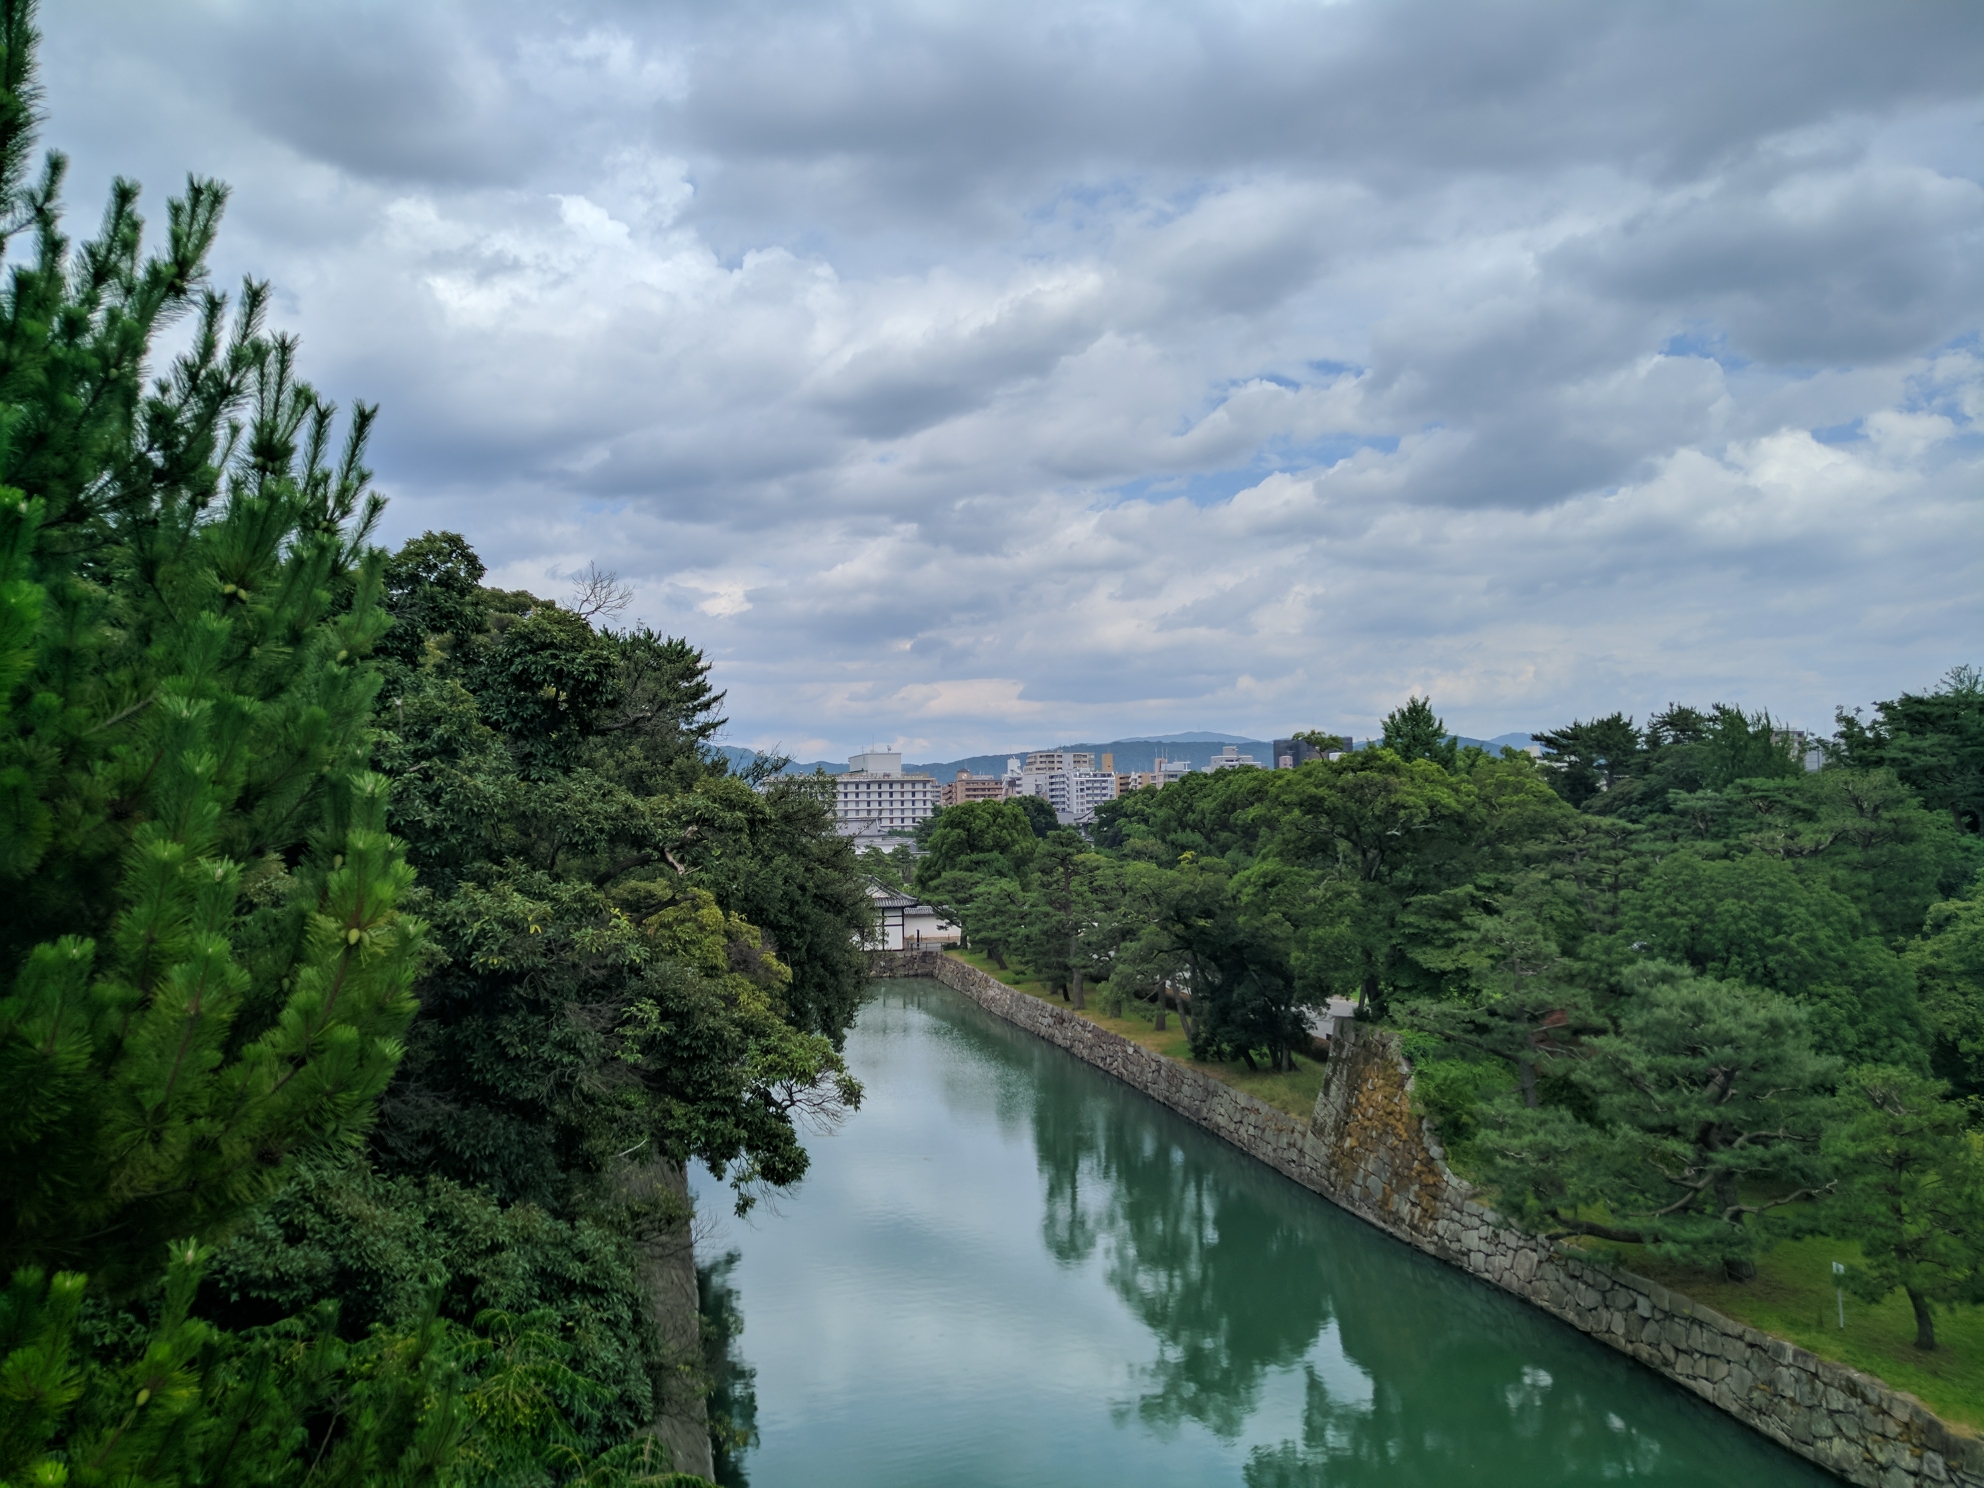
(1196, 749)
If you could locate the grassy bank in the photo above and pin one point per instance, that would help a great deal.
(1292, 1091)
(1792, 1297)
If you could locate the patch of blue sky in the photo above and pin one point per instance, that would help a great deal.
(1928, 394)
(1851, 432)
(1708, 342)
(1204, 488)
(1274, 377)
(1106, 203)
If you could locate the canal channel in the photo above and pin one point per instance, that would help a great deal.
(1008, 1268)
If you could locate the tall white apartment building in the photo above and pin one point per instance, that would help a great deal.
(1074, 794)
(875, 799)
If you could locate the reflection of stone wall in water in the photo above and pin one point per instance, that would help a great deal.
(1365, 1149)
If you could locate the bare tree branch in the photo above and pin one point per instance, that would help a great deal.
(598, 593)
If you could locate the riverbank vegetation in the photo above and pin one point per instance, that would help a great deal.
(379, 944)
(1668, 988)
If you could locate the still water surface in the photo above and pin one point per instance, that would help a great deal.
(1008, 1268)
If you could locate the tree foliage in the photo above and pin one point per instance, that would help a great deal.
(1634, 975)
(1911, 1191)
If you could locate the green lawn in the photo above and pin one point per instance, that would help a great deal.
(1791, 1297)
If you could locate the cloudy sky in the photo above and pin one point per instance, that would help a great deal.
(968, 375)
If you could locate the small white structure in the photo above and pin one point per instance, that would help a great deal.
(1327, 1023)
(905, 923)
(1230, 758)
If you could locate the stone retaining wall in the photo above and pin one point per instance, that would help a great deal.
(1365, 1150)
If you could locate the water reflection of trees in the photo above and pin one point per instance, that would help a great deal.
(1230, 1287)
(1237, 1274)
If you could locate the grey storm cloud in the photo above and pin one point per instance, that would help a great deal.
(967, 375)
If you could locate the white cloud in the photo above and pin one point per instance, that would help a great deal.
(991, 375)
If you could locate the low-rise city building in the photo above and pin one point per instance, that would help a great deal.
(1288, 753)
(904, 923)
(1162, 772)
(1058, 761)
(1230, 758)
(970, 787)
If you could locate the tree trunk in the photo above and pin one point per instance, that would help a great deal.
(1736, 1268)
(1526, 1077)
(1158, 1022)
(1075, 982)
(1248, 1060)
(998, 957)
(1925, 1320)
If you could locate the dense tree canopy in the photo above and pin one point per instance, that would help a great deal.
(379, 945)
(1644, 976)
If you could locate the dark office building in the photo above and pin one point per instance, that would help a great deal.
(1288, 753)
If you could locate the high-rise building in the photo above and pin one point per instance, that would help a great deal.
(875, 799)
(1074, 794)
(1288, 753)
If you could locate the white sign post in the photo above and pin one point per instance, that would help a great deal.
(1839, 1288)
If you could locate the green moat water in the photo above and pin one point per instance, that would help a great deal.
(1010, 1269)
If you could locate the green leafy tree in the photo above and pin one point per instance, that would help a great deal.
(207, 963)
(1690, 749)
(1039, 814)
(1933, 741)
(434, 594)
(1753, 919)
(1414, 732)
(1949, 966)
(1590, 757)
(997, 915)
(543, 681)
(1911, 1191)
(1861, 833)
(981, 836)
(1059, 914)
(968, 843)
(1376, 834)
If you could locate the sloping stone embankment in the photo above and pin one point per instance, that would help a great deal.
(1365, 1150)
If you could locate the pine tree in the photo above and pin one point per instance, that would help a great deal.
(202, 968)
(1911, 1191)
(207, 970)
